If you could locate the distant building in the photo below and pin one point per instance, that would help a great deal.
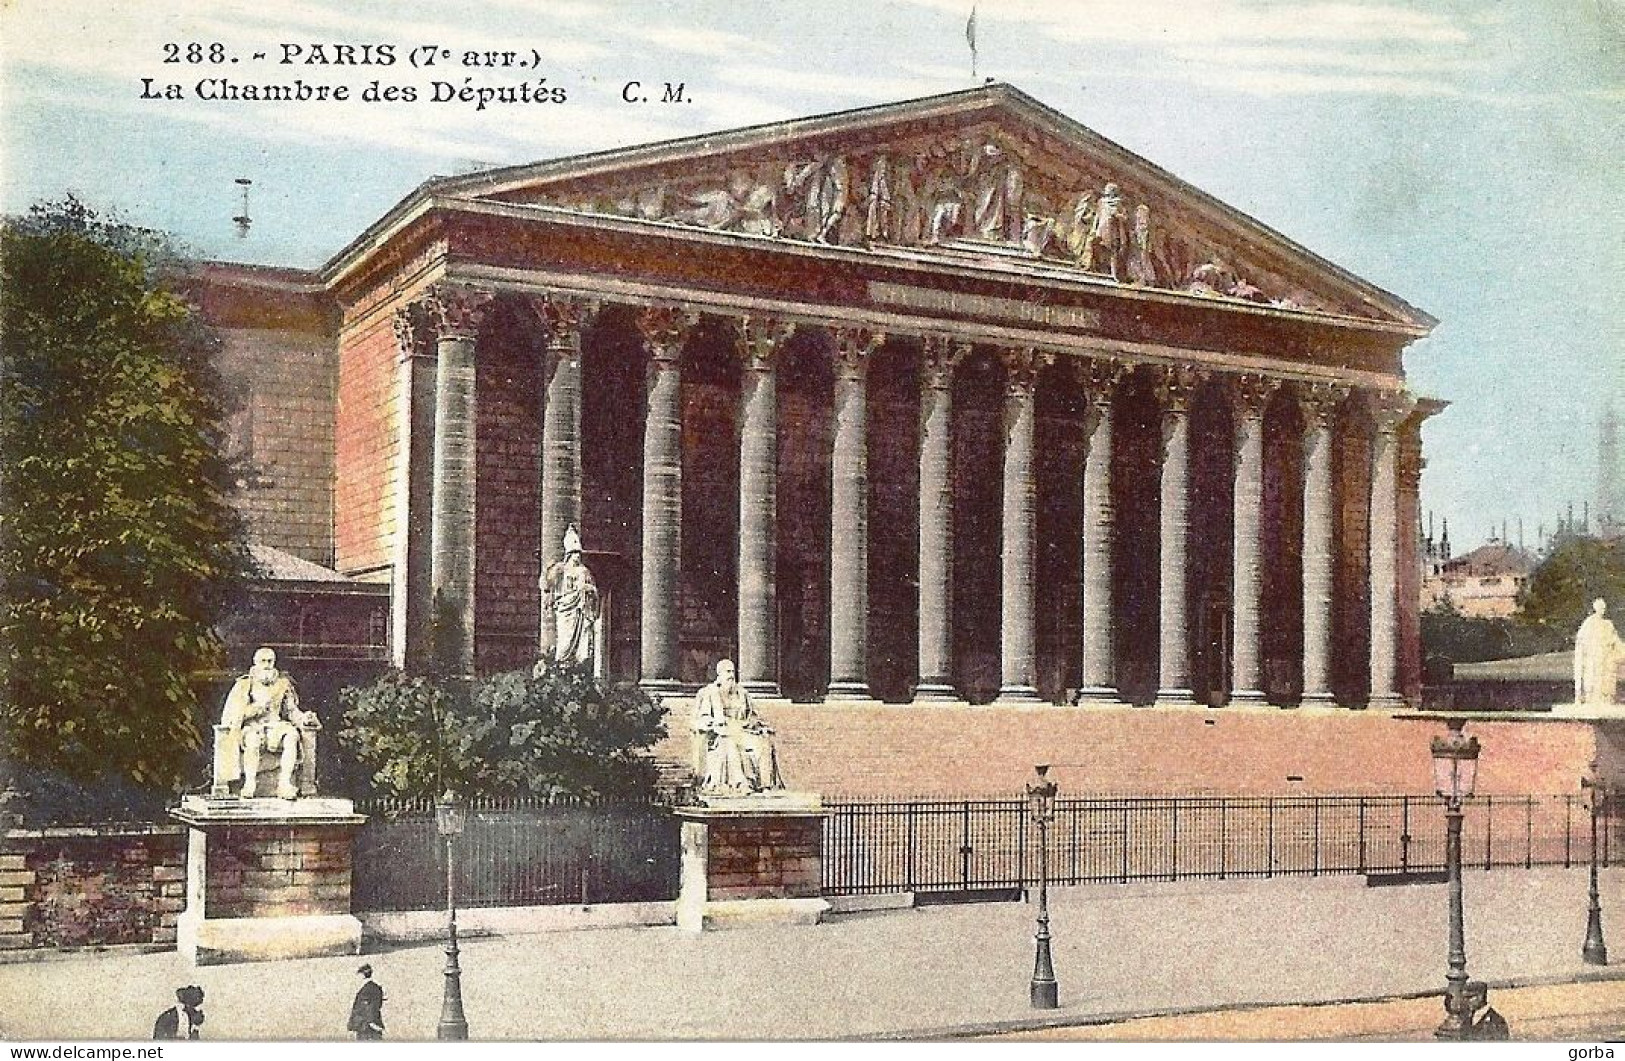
(1483, 584)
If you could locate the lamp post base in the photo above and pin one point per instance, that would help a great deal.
(1595, 951)
(1044, 995)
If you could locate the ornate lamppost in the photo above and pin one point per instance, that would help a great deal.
(1455, 768)
(1041, 801)
(450, 817)
(1595, 949)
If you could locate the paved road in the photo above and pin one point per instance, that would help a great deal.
(1120, 951)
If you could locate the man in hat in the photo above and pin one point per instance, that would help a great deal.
(182, 1020)
(367, 1011)
(569, 588)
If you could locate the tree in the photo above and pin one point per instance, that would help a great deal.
(552, 731)
(118, 544)
(1450, 637)
(1558, 595)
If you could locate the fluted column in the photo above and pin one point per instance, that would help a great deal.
(457, 314)
(411, 604)
(762, 340)
(664, 331)
(1175, 385)
(564, 319)
(1099, 379)
(849, 519)
(1386, 413)
(1018, 655)
(937, 359)
(1249, 394)
(1319, 403)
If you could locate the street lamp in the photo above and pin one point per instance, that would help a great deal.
(1595, 950)
(1041, 801)
(450, 817)
(1455, 768)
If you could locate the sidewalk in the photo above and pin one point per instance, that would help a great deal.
(1120, 951)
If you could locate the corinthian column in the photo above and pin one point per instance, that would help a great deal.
(758, 477)
(937, 359)
(849, 519)
(564, 319)
(1250, 395)
(1175, 385)
(664, 331)
(1387, 411)
(411, 600)
(1018, 632)
(1319, 403)
(1099, 379)
(457, 313)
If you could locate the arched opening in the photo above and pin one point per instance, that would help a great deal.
(1281, 552)
(708, 582)
(805, 383)
(1136, 453)
(1212, 522)
(978, 461)
(894, 513)
(1058, 566)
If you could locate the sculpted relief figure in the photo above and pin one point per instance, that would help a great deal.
(997, 185)
(744, 204)
(738, 756)
(261, 715)
(824, 186)
(1106, 250)
(1597, 654)
(569, 589)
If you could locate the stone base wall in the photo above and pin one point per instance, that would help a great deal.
(93, 886)
(932, 751)
(274, 871)
(765, 858)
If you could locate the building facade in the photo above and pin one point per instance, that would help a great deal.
(948, 400)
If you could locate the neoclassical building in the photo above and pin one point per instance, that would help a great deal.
(950, 399)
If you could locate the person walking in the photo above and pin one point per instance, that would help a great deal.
(367, 1011)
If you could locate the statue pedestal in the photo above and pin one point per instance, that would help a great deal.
(267, 879)
(754, 859)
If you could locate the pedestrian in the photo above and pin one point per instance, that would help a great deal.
(182, 1020)
(367, 1011)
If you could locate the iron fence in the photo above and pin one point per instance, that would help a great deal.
(928, 846)
(516, 853)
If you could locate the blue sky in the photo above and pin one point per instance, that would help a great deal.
(1465, 155)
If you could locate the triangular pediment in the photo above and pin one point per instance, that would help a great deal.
(989, 172)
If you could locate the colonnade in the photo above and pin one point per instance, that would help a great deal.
(453, 314)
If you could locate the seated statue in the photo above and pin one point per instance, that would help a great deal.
(738, 757)
(261, 715)
(1597, 652)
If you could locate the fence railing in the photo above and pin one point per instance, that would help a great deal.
(991, 845)
(516, 853)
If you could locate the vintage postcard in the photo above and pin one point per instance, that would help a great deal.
(894, 520)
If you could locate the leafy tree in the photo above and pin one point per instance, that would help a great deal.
(117, 541)
(1558, 595)
(553, 731)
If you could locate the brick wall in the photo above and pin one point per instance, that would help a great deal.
(771, 858)
(94, 886)
(284, 432)
(267, 871)
(368, 447)
(947, 751)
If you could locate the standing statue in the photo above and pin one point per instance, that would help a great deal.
(1597, 652)
(568, 588)
(825, 185)
(1108, 245)
(262, 715)
(996, 195)
(739, 757)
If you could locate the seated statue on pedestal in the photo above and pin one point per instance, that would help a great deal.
(1597, 652)
(738, 756)
(261, 715)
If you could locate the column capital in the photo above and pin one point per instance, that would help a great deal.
(414, 330)
(457, 310)
(762, 337)
(1099, 377)
(1388, 409)
(1022, 364)
(853, 347)
(939, 356)
(564, 317)
(1319, 403)
(1250, 392)
(1174, 387)
(665, 328)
